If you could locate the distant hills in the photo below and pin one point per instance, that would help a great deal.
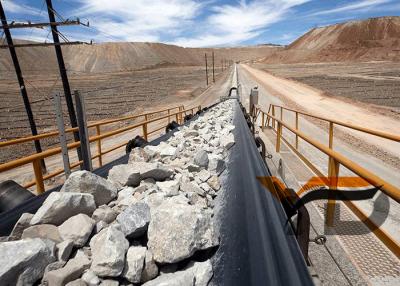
(366, 40)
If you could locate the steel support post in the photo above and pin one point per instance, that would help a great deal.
(61, 131)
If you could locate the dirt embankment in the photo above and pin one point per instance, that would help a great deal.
(124, 56)
(372, 39)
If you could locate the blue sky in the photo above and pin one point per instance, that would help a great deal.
(195, 23)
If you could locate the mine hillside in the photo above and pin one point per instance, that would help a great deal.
(375, 39)
(126, 56)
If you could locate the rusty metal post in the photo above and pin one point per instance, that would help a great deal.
(273, 114)
(145, 131)
(297, 128)
(98, 132)
(278, 137)
(37, 169)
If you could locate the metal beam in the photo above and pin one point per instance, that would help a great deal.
(43, 44)
(40, 25)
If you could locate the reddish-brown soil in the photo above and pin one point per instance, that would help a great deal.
(372, 39)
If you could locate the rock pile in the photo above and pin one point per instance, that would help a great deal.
(144, 225)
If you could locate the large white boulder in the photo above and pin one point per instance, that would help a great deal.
(134, 220)
(177, 230)
(134, 263)
(124, 175)
(58, 207)
(70, 272)
(180, 278)
(86, 182)
(108, 248)
(23, 262)
(77, 228)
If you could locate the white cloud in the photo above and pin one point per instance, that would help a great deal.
(140, 20)
(13, 7)
(352, 7)
(232, 24)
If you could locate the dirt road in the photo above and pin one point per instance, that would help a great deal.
(289, 93)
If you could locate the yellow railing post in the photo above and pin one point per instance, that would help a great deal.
(98, 132)
(273, 114)
(37, 169)
(144, 126)
(333, 174)
(278, 137)
(262, 121)
(281, 116)
(297, 128)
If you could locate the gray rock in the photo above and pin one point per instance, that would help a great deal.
(180, 278)
(134, 263)
(166, 150)
(187, 228)
(108, 247)
(227, 141)
(216, 164)
(124, 175)
(202, 272)
(77, 282)
(104, 213)
(170, 188)
(77, 228)
(203, 175)
(60, 206)
(23, 262)
(190, 133)
(20, 226)
(139, 155)
(193, 168)
(86, 182)
(64, 249)
(90, 278)
(99, 226)
(150, 270)
(135, 219)
(54, 266)
(44, 231)
(190, 187)
(156, 171)
(109, 282)
(125, 193)
(214, 183)
(70, 272)
(201, 158)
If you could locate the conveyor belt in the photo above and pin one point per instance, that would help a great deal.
(258, 246)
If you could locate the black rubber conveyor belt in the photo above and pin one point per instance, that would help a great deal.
(258, 246)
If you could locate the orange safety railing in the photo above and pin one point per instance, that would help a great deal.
(270, 119)
(177, 113)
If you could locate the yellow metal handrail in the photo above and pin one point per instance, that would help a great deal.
(335, 160)
(35, 158)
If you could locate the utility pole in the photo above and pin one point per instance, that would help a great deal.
(63, 73)
(213, 67)
(206, 69)
(21, 83)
